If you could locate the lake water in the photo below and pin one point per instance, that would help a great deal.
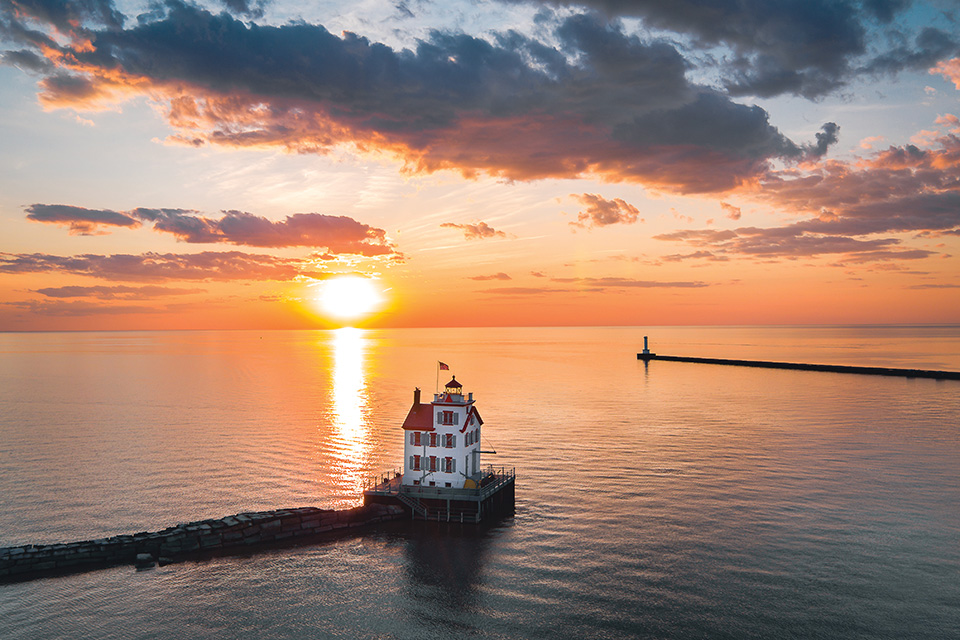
(666, 500)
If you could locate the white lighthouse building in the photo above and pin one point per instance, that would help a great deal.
(442, 478)
(442, 440)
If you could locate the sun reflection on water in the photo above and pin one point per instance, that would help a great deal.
(351, 433)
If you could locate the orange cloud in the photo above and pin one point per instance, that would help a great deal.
(949, 69)
(601, 212)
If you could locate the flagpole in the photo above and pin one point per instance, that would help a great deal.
(436, 387)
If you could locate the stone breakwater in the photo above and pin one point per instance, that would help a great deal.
(241, 532)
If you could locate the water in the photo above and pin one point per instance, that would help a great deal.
(669, 500)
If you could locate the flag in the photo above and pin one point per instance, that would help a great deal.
(443, 366)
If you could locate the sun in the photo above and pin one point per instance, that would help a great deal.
(349, 297)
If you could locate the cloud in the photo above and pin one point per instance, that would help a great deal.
(524, 291)
(949, 69)
(244, 8)
(63, 308)
(476, 231)
(601, 212)
(696, 255)
(338, 234)
(807, 49)
(629, 283)
(950, 121)
(146, 267)
(934, 286)
(851, 209)
(730, 211)
(791, 241)
(497, 276)
(119, 292)
(589, 100)
(67, 17)
(80, 220)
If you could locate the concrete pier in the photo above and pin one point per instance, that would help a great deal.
(243, 531)
(833, 368)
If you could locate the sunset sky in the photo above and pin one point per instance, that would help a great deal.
(606, 162)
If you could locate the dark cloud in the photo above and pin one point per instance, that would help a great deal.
(118, 292)
(65, 15)
(827, 136)
(338, 234)
(496, 276)
(930, 46)
(26, 60)
(79, 219)
(601, 102)
(146, 267)
(245, 8)
(476, 231)
(601, 212)
(802, 47)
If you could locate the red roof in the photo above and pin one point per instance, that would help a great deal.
(420, 418)
(472, 411)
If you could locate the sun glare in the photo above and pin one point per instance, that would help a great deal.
(349, 297)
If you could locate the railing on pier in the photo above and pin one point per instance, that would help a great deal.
(421, 499)
(489, 480)
(384, 480)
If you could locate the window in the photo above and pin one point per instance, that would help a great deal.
(415, 463)
(433, 439)
(448, 417)
(433, 463)
(449, 465)
(449, 440)
(415, 438)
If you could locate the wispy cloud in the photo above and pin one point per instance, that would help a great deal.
(496, 276)
(118, 292)
(476, 230)
(208, 265)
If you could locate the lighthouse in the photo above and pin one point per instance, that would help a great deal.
(442, 478)
(442, 440)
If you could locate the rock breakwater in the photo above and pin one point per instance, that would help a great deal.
(243, 531)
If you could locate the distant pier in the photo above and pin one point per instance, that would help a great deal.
(647, 356)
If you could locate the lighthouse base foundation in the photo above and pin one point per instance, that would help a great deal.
(493, 498)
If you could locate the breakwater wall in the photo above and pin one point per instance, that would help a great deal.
(833, 368)
(241, 532)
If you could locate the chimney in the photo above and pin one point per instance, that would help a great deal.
(416, 396)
